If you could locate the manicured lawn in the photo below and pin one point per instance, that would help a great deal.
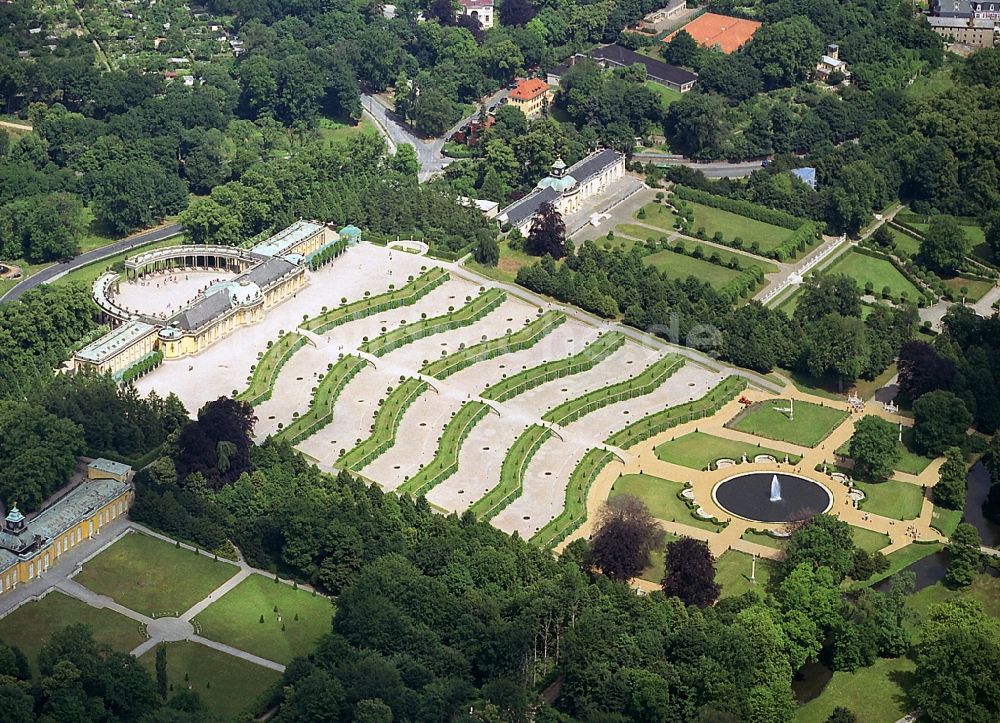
(790, 302)
(667, 94)
(657, 215)
(899, 560)
(975, 289)
(879, 272)
(762, 538)
(868, 540)
(679, 266)
(226, 684)
(984, 588)
(731, 225)
(332, 130)
(909, 460)
(811, 425)
(235, 619)
(153, 577)
(892, 499)
(697, 449)
(510, 263)
(660, 496)
(32, 624)
(876, 694)
(945, 521)
(974, 233)
(732, 572)
(905, 243)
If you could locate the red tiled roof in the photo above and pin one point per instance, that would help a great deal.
(529, 89)
(711, 30)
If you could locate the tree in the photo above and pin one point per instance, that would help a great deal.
(681, 49)
(836, 345)
(922, 370)
(786, 51)
(433, 111)
(956, 656)
(949, 491)
(689, 572)
(516, 12)
(940, 420)
(945, 245)
(222, 430)
(128, 196)
(823, 541)
(548, 233)
(43, 227)
(874, 447)
(626, 536)
(964, 548)
(487, 252)
(697, 124)
(828, 294)
(161, 670)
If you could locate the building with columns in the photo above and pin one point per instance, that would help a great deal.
(29, 546)
(267, 274)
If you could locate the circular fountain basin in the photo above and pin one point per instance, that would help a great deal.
(749, 496)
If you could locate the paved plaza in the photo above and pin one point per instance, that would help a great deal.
(162, 294)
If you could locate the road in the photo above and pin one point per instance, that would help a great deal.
(429, 155)
(56, 270)
(714, 169)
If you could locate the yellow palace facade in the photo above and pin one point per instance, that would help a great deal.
(29, 546)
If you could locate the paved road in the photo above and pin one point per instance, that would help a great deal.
(718, 169)
(55, 270)
(396, 132)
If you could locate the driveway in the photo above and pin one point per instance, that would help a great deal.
(50, 273)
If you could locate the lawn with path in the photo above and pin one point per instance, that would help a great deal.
(660, 497)
(868, 540)
(32, 624)
(697, 450)
(812, 423)
(899, 560)
(911, 461)
(153, 577)
(893, 499)
(762, 538)
(975, 289)
(732, 572)
(767, 236)
(229, 686)
(235, 619)
(881, 273)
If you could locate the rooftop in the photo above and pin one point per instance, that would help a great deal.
(958, 23)
(474, 4)
(655, 69)
(282, 241)
(711, 30)
(109, 466)
(807, 175)
(114, 341)
(529, 89)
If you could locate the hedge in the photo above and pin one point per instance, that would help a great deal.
(142, 367)
(324, 255)
(524, 338)
(574, 511)
(648, 381)
(472, 312)
(405, 296)
(742, 208)
(515, 463)
(386, 425)
(265, 372)
(588, 358)
(445, 461)
(323, 400)
(716, 398)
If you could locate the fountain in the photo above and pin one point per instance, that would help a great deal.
(775, 489)
(772, 496)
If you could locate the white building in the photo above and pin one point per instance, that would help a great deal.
(481, 10)
(568, 189)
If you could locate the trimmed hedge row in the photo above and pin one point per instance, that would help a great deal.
(445, 461)
(574, 511)
(142, 367)
(325, 256)
(323, 400)
(472, 312)
(741, 208)
(716, 398)
(405, 296)
(386, 425)
(603, 347)
(529, 335)
(648, 381)
(264, 373)
(511, 473)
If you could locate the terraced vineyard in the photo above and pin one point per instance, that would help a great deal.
(470, 313)
(523, 338)
(575, 511)
(445, 462)
(651, 378)
(405, 296)
(323, 400)
(265, 372)
(386, 425)
(512, 472)
(595, 353)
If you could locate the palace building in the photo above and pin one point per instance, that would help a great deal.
(28, 547)
(568, 189)
(266, 274)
